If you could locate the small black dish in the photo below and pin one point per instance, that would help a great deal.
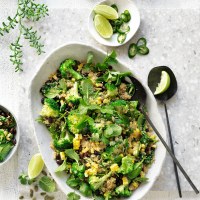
(154, 79)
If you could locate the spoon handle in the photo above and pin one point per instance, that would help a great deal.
(171, 154)
(172, 148)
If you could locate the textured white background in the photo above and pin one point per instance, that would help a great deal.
(172, 29)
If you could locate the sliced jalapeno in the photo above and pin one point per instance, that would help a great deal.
(132, 50)
(121, 38)
(124, 17)
(143, 50)
(115, 7)
(141, 42)
(124, 28)
(128, 15)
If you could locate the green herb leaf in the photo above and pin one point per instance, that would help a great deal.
(52, 93)
(72, 154)
(47, 184)
(87, 88)
(112, 130)
(90, 57)
(5, 150)
(62, 167)
(24, 179)
(73, 196)
(62, 84)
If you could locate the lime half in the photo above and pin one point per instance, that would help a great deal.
(164, 83)
(35, 166)
(107, 11)
(103, 26)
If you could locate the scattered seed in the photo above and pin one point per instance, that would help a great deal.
(21, 197)
(44, 173)
(47, 197)
(43, 193)
(35, 188)
(31, 193)
(34, 198)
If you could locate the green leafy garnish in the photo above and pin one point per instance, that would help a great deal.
(25, 10)
(73, 196)
(112, 130)
(5, 150)
(47, 184)
(72, 154)
(24, 179)
(62, 167)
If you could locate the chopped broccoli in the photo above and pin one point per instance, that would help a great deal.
(78, 170)
(85, 189)
(73, 95)
(63, 143)
(47, 87)
(112, 90)
(127, 165)
(50, 108)
(67, 67)
(123, 190)
(96, 182)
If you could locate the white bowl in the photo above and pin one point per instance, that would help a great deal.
(122, 6)
(49, 66)
(17, 137)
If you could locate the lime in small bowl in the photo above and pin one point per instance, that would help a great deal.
(8, 148)
(102, 33)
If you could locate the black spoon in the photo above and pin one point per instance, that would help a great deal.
(140, 96)
(153, 80)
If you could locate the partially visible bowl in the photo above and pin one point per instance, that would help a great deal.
(17, 137)
(78, 51)
(122, 6)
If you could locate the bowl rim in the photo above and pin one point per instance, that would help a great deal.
(111, 44)
(56, 178)
(14, 149)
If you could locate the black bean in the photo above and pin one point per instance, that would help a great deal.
(50, 120)
(31, 193)
(42, 100)
(110, 67)
(13, 131)
(59, 162)
(96, 153)
(14, 141)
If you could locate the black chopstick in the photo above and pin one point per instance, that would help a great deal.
(172, 148)
(170, 152)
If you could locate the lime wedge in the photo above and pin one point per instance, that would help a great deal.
(35, 166)
(107, 11)
(164, 83)
(103, 26)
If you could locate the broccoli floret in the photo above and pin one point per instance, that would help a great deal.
(50, 108)
(67, 67)
(96, 182)
(73, 95)
(63, 143)
(77, 122)
(123, 190)
(112, 90)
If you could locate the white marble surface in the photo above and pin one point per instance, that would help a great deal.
(173, 36)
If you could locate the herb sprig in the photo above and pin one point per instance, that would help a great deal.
(26, 9)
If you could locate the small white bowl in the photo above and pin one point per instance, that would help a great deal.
(17, 136)
(122, 6)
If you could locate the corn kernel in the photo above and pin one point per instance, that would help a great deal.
(135, 184)
(106, 101)
(62, 155)
(114, 167)
(77, 141)
(136, 133)
(125, 180)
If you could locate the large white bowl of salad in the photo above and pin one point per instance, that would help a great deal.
(91, 134)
